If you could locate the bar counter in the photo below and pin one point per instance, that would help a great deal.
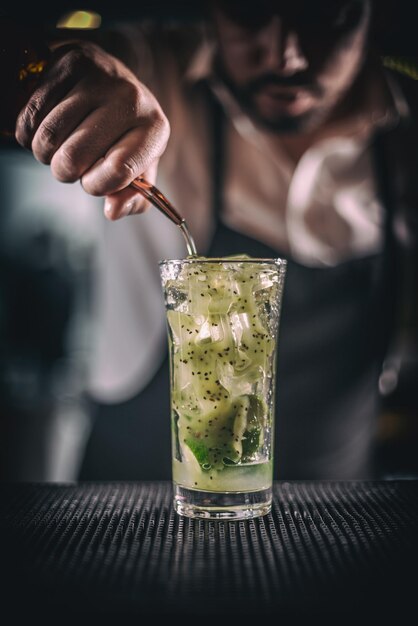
(117, 552)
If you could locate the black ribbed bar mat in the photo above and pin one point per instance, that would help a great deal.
(119, 550)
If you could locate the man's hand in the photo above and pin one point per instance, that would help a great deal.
(92, 120)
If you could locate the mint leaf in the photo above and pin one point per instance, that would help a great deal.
(250, 443)
(200, 451)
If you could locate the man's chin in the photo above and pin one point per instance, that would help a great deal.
(279, 109)
(276, 102)
(283, 123)
(280, 119)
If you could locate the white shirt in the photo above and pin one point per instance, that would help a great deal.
(320, 211)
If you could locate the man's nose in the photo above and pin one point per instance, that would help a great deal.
(281, 48)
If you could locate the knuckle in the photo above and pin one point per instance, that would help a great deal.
(30, 113)
(112, 176)
(129, 106)
(72, 61)
(26, 122)
(132, 95)
(165, 129)
(75, 57)
(162, 122)
(129, 167)
(126, 170)
(45, 142)
(92, 186)
(122, 170)
(64, 165)
(160, 131)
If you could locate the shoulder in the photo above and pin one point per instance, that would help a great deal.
(404, 85)
(171, 43)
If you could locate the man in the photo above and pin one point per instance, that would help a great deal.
(265, 128)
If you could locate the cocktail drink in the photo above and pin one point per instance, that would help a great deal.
(223, 321)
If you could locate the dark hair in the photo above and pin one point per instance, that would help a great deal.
(313, 15)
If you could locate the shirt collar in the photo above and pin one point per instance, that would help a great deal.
(201, 66)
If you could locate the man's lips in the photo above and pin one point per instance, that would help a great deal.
(278, 98)
(301, 80)
(285, 92)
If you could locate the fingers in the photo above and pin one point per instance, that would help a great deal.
(128, 158)
(59, 79)
(94, 138)
(129, 201)
(92, 120)
(61, 123)
(124, 203)
(88, 122)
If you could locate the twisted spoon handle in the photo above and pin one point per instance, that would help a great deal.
(157, 198)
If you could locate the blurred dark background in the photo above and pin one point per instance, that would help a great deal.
(395, 21)
(47, 256)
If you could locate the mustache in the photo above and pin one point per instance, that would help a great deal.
(301, 79)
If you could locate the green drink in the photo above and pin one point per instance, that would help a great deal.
(223, 320)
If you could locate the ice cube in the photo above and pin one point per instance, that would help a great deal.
(241, 383)
(204, 335)
(214, 330)
(265, 281)
(240, 322)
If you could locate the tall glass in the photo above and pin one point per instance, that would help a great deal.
(222, 321)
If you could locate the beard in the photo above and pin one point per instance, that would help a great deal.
(277, 121)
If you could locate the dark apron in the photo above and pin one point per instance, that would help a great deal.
(334, 332)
